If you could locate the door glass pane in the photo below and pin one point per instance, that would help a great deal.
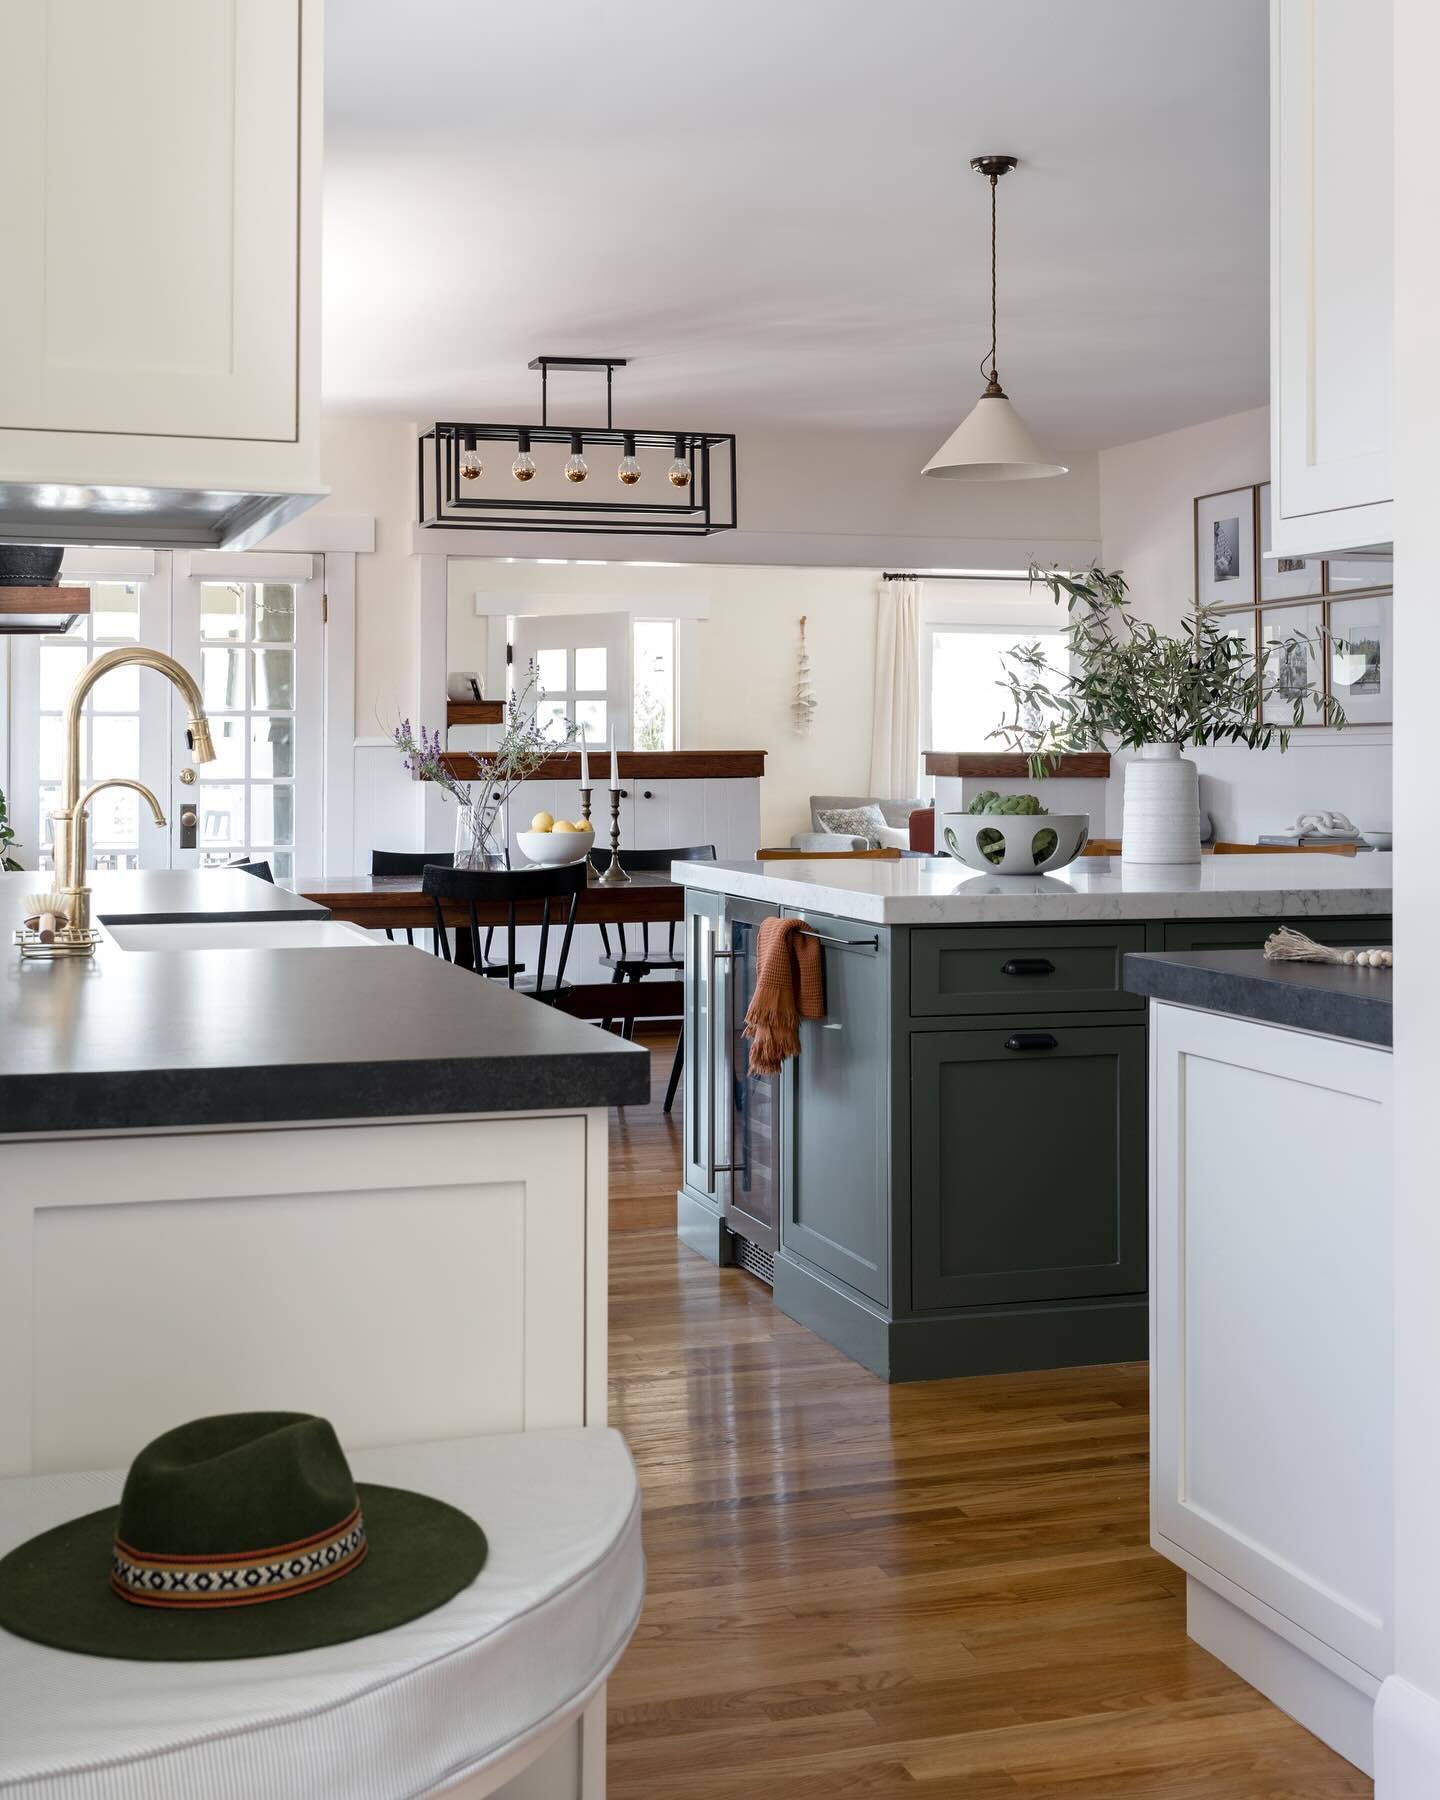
(61, 666)
(229, 739)
(52, 750)
(275, 678)
(119, 691)
(275, 613)
(222, 815)
(282, 864)
(272, 748)
(549, 671)
(594, 715)
(551, 719)
(222, 679)
(590, 671)
(115, 606)
(115, 818)
(272, 813)
(115, 746)
(222, 610)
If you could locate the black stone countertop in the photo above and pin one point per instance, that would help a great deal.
(1332, 998)
(166, 1040)
(168, 897)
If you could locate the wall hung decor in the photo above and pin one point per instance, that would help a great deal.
(1284, 577)
(1303, 609)
(661, 483)
(803, 705)
(992, 442)
(1225, 548)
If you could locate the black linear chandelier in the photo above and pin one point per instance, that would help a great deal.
(682, 482)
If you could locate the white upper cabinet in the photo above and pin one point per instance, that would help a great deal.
(159, 207)
(1331, 287)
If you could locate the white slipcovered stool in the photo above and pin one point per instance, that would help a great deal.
(504, 1682)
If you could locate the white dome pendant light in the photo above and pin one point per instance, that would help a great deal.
(992, 444)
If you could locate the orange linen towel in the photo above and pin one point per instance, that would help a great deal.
(789, 986)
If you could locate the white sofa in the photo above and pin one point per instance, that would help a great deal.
(895, 836)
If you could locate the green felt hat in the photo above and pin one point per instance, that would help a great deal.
(239, 1535)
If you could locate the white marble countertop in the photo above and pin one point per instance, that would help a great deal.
(936, 890)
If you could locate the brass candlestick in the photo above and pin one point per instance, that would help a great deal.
(615, 876)
(592, 874)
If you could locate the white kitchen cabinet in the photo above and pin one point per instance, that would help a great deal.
(1271, 1287)
(1331, 284)
(160, 207)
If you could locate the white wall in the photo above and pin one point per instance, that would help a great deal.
(1147, 529)
(736, 663)
(1407, 1735)
(1147, 495)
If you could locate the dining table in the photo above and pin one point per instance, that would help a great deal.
(398, 903)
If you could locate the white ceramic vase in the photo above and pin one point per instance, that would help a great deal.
(1162, 807)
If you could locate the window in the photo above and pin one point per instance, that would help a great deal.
(246, 797)
(654, 699)
(109, 727)
(963, 703)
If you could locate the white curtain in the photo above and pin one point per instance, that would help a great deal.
(895, 734)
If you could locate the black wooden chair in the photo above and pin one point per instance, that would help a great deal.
(629, 961)
(260, 870)
(409, 862)
(512, 888)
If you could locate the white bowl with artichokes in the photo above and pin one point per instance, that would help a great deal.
(1013, 834)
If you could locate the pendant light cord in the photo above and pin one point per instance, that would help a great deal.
(990, 373)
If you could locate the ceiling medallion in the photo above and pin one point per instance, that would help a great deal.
(993, 442)
(672, 483)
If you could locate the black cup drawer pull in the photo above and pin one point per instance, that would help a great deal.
(1028, 965)
(1032, 1040)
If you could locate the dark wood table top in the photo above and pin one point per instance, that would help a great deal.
(381, 900)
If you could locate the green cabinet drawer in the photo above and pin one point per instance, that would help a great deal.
(1027, 1164)
(1250, 934)
(1020, 969)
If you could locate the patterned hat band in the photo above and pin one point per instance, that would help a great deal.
(148, 1578)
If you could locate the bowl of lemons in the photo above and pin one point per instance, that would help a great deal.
(555, 842)
(1012, 834)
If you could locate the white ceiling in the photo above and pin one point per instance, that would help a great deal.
(767, 205)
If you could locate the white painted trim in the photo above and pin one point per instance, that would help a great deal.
(503, 603)
(1407, 1742)
(244, 565)
(338, 797)
(776, 549)
(325, 533)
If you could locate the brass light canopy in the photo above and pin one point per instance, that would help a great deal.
(993, 442)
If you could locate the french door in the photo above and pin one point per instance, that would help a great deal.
(254, 642)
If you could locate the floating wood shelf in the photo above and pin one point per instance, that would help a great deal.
(475, 712)
(40, 609)
(635, 765)
(1089, 765)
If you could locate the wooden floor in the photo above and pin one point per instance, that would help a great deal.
(857, 1590)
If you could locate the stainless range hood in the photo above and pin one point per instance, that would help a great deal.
(159, 518)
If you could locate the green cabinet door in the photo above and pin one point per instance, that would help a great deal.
(1027, 1164)
(1250, 934)
(835, 1124)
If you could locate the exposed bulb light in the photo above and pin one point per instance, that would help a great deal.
(576, 467)
(679, 470)
(471, 466)
(523, 467)
(629, 470)
(992, 443)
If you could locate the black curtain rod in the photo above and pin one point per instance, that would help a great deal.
(888, 576)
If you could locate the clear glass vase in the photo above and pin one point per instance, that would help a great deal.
(481, 836)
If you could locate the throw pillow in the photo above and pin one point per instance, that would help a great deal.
(854, 821)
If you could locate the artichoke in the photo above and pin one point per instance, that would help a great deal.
(1025, 805)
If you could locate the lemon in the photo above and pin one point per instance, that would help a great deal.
(542, 822)
(565, 825)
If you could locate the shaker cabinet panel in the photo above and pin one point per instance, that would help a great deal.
(150, 208)
(1331, 288)
(1027, 1164)
(1008, 968)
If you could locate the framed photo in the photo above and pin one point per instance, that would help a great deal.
(1293, 635)
(1373, 569)
(1225, 548)
(1362, 659)
(1285, 577)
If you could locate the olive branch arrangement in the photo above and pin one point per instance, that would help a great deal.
(7, 837)
(1128, 684)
